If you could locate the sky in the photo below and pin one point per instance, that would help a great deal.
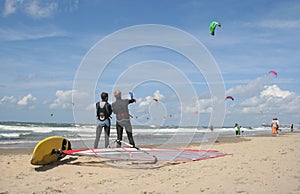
(54, 53)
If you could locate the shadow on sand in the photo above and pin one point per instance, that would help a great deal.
(54, 164)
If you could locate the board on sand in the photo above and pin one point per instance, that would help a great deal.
(45, 151)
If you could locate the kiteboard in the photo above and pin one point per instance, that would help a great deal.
(45, 152)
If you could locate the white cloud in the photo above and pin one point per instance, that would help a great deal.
(257, 101)
(27, 100)
(8, 99)
(30, 33)
(158, 95)
(24, 101)
(146, 101)
(272, 100)
(274, 91)
(280, 24)
(91, 107)
(274, 24)
(253, 101)
(9, 7)
(33, 8)
(149, 99)
(39, 8)
(203, 105)
(63, 100)
(251, 89)
(26, 78)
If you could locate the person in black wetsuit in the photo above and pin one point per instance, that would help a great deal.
(103, 111)
(120, 109)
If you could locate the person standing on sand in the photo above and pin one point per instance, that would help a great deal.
(237, 129)
(292, 127)
(120, 109)
(275, 126)
(103, 111)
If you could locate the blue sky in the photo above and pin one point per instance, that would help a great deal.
(44, 43)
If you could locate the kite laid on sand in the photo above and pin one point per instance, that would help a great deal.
(55, 148)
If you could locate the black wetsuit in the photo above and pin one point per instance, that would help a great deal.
(120, 109)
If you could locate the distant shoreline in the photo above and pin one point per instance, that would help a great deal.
(296, 125)
(218, 141)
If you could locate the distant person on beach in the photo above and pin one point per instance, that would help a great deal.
(292, 127)
(275, 126)
(237, 129)
(103, 111)
(120, 109)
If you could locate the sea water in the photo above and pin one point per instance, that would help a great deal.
(27, 135)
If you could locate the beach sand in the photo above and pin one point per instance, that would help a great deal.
(260, 164)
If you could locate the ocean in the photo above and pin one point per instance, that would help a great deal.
(27, 135)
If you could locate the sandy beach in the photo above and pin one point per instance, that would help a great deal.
(260, 164)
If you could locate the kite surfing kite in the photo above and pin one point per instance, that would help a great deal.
(55, 148)
(273, 72)
(155, 99)
(213, 26)
(229, 97)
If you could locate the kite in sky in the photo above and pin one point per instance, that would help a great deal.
(229, 97)
(213, 26)
(273, 72)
